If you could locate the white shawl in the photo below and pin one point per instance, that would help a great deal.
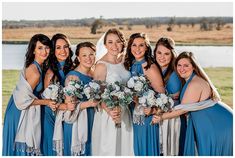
(79, 131)
(170, 140)
(29, 128)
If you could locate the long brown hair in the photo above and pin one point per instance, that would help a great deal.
(169, 44)
(129, 57)
(198, 71)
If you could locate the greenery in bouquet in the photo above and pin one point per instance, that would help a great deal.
(54, 92)
(74, 88)
(94, 89)
(116, 94)
(138, 85)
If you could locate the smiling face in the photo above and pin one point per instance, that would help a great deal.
(41, 52)
(184, 68)
(113, 44)
(163, 56)
(61, 50)
(86, 57)
(138, 48)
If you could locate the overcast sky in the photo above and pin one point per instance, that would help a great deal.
(79, 10)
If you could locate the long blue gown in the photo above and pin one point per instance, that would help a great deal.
(11, 120)
(68, 127)
(146, 137)
(210, 130)
(48, 122)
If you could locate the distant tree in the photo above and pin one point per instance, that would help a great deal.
(96, 25)
(171, 24)
(205, 25)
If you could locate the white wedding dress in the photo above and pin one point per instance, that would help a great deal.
(107, 140)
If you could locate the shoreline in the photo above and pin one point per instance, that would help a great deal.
(74, 42)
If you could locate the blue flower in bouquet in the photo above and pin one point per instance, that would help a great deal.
(74, 89)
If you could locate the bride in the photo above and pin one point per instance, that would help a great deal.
(107, 140)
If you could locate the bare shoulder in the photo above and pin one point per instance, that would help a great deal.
(198, 83)
(32, 75)
(32, 72)
(49, 74)
(100, 71)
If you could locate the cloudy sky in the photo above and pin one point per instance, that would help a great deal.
(78, 10)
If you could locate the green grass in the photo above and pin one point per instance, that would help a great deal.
(221, 77)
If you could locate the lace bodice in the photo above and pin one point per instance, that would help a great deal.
(116, 72)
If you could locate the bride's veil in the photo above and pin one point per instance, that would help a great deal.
(100, 48)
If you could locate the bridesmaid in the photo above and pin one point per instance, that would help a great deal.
(139, 61)
(60, 61)
(85, 59)
(21, 129)
(165, 55)
(210, 122)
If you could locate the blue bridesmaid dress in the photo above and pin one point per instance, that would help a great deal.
(67, 128)
(11, 120)
(146, 137)
(210, 130)
(48, 122)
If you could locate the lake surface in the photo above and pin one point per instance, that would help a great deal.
(208, 56)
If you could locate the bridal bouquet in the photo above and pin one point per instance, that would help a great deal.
(116, 96)
(74, 89)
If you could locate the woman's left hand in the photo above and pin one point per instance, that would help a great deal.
(156, 119)
(147, 111)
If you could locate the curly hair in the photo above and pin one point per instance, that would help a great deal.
(129, 57)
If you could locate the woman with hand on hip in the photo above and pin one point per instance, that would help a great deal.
(139, 61)
(210, 122)
(22, 123)
(107, 140)
(165, 55)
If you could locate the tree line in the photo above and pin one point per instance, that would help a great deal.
(206, 23)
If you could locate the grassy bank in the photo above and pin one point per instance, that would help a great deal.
(221, 77)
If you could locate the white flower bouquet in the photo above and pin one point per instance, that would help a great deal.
(149, 100)
(138, 85)
(54, 92)
(164, 102)
(74, 89)
(94, 89)
(116, 95)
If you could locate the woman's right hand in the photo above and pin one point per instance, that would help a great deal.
(115, 114)
(70, 106)
(52, 104)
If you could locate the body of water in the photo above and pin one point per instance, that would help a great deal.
(208, 56)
